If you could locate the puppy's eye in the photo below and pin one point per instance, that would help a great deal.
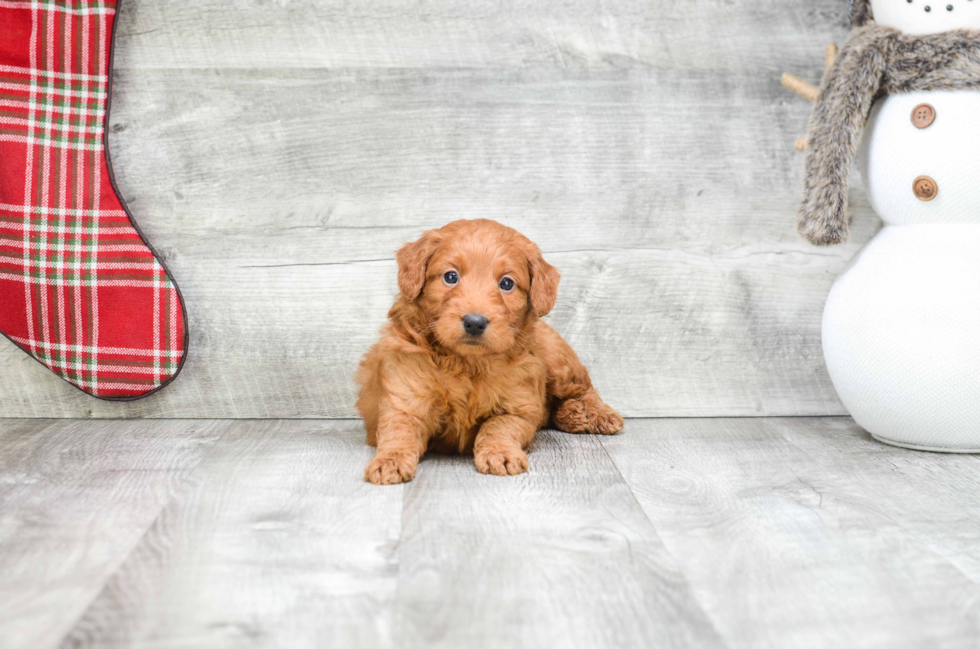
(451, 278)
(507, 285)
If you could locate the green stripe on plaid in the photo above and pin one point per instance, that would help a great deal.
(82, 373)
(86, 276)
(83, 359)
(25, 105)
(53, 255)
(93, 87)
(63, 141)
(104, 242)
(53, 129)
(39, 297)
(64, 120)
(66, 6)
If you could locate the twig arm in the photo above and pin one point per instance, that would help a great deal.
(808, 90)
(800, 87)
(831, 51)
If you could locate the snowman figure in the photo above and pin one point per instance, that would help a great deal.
(901, 329)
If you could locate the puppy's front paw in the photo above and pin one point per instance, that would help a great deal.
(501, 461)
(390, 469)
(590, 414)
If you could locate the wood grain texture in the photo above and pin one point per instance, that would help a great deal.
(277, 153)
(75, 499)
(746, 533)
(559, 557)
(275, 541)
(808, 533)
(433, 34)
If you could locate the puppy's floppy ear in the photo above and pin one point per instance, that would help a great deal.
(412, 261)
(544, 282)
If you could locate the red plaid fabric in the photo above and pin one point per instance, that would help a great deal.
(80, 290)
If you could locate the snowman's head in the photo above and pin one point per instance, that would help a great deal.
(917, 17)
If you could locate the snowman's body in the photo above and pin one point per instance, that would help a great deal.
(901, 329)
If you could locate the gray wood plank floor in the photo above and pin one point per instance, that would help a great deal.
(278, 152)
(678, 533)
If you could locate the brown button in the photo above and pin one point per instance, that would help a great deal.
(923, 116)
(925, 188)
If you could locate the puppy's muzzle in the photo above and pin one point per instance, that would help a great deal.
(475, 324)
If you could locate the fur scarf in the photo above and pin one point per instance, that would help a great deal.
(860, 12)
(874, 62)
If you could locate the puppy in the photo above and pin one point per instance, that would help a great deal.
(465, 364)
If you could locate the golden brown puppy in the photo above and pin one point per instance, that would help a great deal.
(465, 364)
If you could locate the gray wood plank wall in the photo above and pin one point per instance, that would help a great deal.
(277, 153)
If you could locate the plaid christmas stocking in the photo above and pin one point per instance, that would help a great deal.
(80, 289)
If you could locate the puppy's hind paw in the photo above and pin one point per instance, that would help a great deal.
(501, 462)
(589, 414)
(390, 469)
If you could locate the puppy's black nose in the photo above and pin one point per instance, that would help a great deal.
(474, 324)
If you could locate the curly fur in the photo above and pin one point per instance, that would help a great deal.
(875, 61)
(428, 385)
